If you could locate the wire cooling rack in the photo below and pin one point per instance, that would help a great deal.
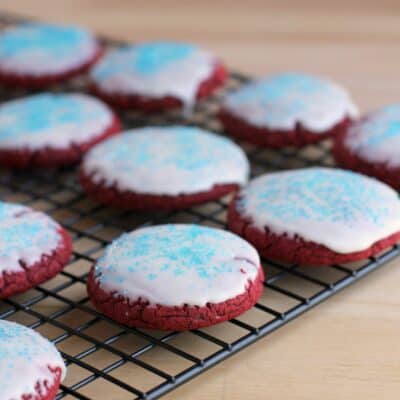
(123, 363)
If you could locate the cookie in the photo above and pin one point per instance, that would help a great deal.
(176, 277)
(52, 129)
(163, 168)
(156, 76)
(289, 109)
(372, 146)
(317, 216)
(36, 55)
(31, 368)
(33, 248)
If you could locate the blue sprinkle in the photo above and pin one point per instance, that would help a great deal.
(175, 248)
(192, 149)
(23, 233)
(17, 341)
(56, 40)
(35, 114)
(317, 194)
(144, 59)
(382, 126)
(284, 94)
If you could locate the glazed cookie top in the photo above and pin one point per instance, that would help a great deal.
(344, 211)
(25, 235)
(282, 101)
(39, 49)
(173, 265)
(166, 160)
(376, 138)
(52, 120)
(155, 70)
(25, 358)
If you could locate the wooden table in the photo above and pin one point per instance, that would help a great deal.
(347, 348)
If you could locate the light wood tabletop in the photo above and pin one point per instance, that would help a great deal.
(348, 347)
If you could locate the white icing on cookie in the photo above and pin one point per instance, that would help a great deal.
(282, 101)
(342, 210)
(173, 265)
(155, 70)
(376, 138)
(44, 49)
(166, 160)
(25, 356)
(25, 235)
(52, 120)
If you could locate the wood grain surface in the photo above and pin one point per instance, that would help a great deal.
(347, 348)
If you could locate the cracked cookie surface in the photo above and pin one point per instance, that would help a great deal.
(30, 366)
(163, 168)
(157, 76)
(36, 55)
(47, 129)
(176, 277)
(371, 145)
(316, 216)
(289, 109)
(33, 248)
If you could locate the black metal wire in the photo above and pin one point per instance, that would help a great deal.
(290, 289)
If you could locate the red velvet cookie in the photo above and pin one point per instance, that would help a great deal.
(372, 146)
(287, 110)
(176, 277)
(36, 55)
(157, 168)
(316, 216)
(30, 366)
(33, 249)
(157, 76)
(50, 130)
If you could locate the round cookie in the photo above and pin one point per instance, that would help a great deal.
(33, 248)
(52, 129)
(36, 55)
(156, 76)
(31, 368)
(317, 216)
(176, 277)
(372, 146)
(163, 168)
(289, 109)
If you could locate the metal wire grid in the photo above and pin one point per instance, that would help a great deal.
(125, 363)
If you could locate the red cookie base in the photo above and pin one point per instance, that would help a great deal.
(151, 104)
(12, 283)
(141, 314)
(46, 392)
(273, 138)
(297, 250)
(346, 159)
(112, 196)
(53, 157)
(43, 81)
